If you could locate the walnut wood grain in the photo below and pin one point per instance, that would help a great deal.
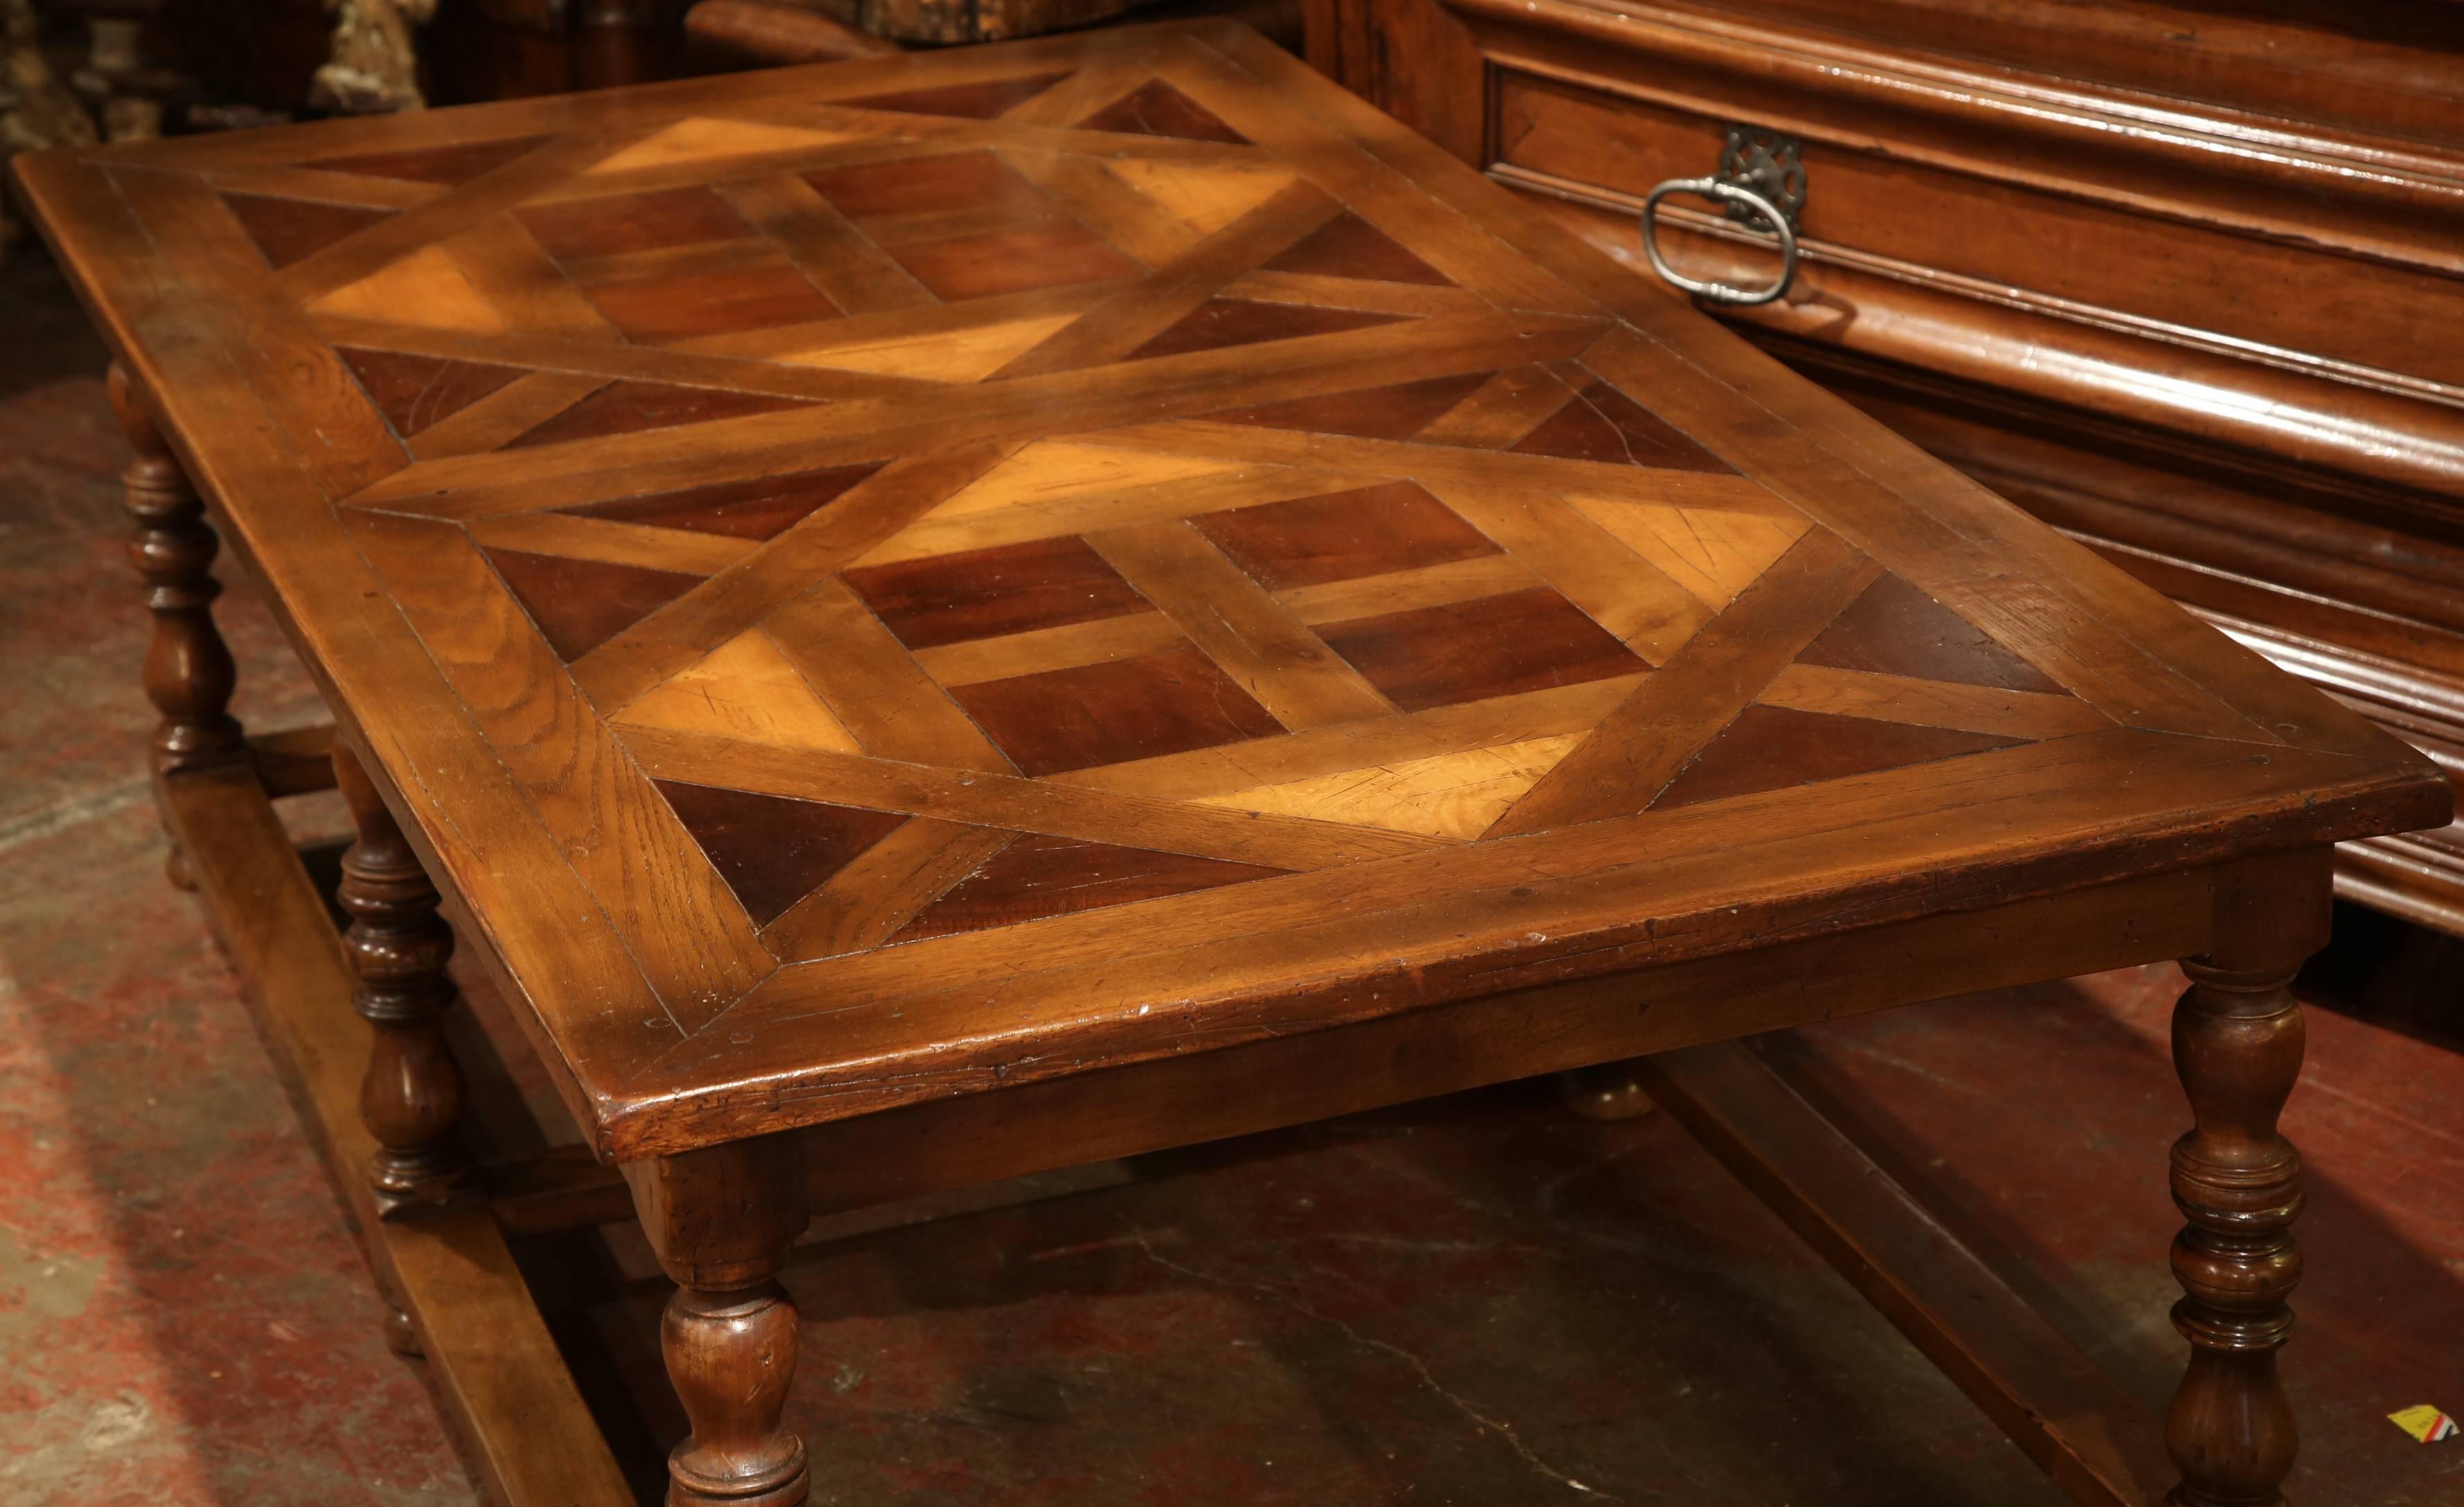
(1114, 522)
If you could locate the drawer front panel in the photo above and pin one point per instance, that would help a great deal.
(2070, 258)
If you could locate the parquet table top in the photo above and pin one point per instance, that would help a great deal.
(877, 581)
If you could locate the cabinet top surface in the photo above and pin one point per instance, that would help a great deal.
(873, 580)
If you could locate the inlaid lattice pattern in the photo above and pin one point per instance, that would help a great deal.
(933, 573)
(921, 512)
(1355, 660)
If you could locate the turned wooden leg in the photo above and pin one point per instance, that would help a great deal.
(411, 1097)
(188, 671)
(721, 1222)
(401, 1336)
(2238, 1042)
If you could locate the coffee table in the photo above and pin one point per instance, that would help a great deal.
(941, 617)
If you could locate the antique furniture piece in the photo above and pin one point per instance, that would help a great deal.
(934, 618)
(736, 33)
(2179, 277)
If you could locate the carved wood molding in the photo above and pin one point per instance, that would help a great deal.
(2369, 423)
(2379, 198)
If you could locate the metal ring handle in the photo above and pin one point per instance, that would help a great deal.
(1727, 193)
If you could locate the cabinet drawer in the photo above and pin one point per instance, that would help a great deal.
(2166, 276)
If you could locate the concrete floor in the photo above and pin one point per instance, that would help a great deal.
(1480, 1300)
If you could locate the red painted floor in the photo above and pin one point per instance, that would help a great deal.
(1481, 1301)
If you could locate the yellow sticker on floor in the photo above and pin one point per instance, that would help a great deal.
(2424, 1423)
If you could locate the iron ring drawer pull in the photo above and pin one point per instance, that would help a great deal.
(1770, 214)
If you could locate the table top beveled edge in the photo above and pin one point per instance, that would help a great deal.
(815, 1042)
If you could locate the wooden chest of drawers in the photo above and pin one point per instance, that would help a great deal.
(2187, 280)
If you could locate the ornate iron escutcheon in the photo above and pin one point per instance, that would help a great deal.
(1771, 165)
(1761, 186)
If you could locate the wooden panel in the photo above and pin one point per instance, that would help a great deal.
(839, 259)
(1038, 876)
(1034, 805)
(1352, 747)
(1472, 651)
(1625, 591)
(1771, 748)
(1926, 704)
(984, 593)
(417, 391)
(774, 852)
(1041, 649)
(565, 538)
(1086, 504)
(1155, 108)
(759, 509)
(764, 293)
(505, 263)
(577, 605)
(291, 230)
(873, 686)
(1219, 323)
(740, 597)
(1152, 318)
(690, 936)
(1641, 745)
(632, 408)
(1453, 795)
(2055, 247)
(1433, 586)
(875, 897)
(1165, 702)
(1340, 536)
(744, 688)
(1011, 262)
(1105, 202)
(1231, 618)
